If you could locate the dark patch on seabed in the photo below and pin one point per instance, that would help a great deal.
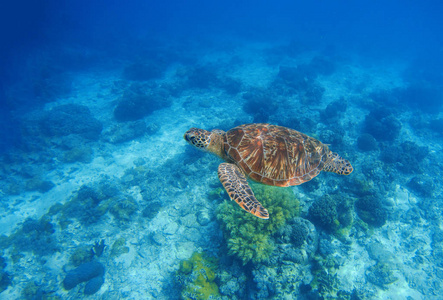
(102, 196)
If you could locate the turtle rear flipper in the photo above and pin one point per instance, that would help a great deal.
(337, 164)
(238, 189)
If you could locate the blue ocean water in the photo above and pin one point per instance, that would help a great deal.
(101, 197)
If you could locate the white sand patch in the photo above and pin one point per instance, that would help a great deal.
(352, 272)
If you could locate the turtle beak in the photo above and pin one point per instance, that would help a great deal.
(188, 137)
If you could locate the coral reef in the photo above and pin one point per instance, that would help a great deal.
(216, 193)
(232, 279)
(32, 291)
(323, 213)
(2, 263)
(82, 154)
(119, 247)
(382, 125)
(381, 274)
(71, 119)
(326, 284)
(35, 291)
(278, 281)
(332, 213)
(299, 235)
(407, 157)
(297, 241)
(250, 238)
(139, 101)
(422, 185)
(34, 236)
(5, 278)
(334, 137)
(259, 104)
(334, 110)
(303, 124)
(379, 252)
(371, 210)
(151, 210)
(156, 202)
(196, 277)
(82, 255)
(206, 77)
(88, 204)
(300, 81)
(124, 209)
(265, 282)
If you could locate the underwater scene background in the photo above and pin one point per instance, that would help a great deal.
(102, 198)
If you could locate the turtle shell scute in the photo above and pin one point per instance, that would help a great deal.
(275, 155)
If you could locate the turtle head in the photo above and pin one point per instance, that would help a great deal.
(211, 141)
(337, 164)
(197, 137)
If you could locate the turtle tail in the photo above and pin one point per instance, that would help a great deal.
(337, 164)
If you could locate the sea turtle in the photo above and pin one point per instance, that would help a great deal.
(269, 154)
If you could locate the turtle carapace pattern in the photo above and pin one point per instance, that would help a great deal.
(269, 154)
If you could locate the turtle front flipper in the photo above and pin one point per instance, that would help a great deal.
(238, 189)
(337, 164)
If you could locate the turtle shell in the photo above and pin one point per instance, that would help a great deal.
(275, 155)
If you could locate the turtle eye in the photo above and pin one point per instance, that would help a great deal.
(188, 138)
(191, 138)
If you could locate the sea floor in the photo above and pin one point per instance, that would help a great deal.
(120, 172)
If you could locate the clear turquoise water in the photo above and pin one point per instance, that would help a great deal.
(95, 173)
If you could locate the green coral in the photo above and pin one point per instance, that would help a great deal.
(82, 255)
(119, 247)
(34, 291)
(81, 154)
(123, 210)
(196, 277)
(251, 238)
(216, 193)
(326, 284)
(88, 204)
(30, 291)
(186, 266)
(34, 236)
